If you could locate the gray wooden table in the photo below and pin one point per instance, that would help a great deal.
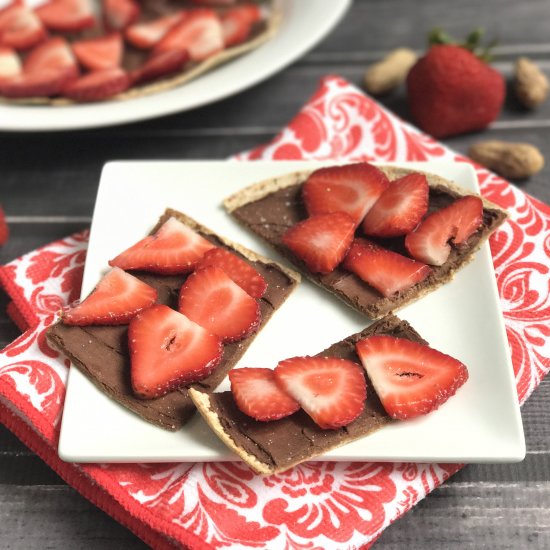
(48, 184)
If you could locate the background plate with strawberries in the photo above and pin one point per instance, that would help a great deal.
(463, 319)
(302, 25)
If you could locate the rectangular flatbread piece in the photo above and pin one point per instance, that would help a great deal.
(271, 447)
(271, 207)
(101, 352)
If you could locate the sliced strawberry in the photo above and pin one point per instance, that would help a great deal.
(159, 65)
(104, 52)
(167, 350)
(146, 35)
(20, 28)
(67, 15)
(330, 390)
(174, 248)
(55, 54)
(47, 69)
(321, 241)
(36, 84)
(429, 242)
(237, 23)
(386, 271)
(117, 298)
(200, 33)
(98, 85)
(210, 298)
(410, 379)
(240, 271)
(10, 64)
(352, 188)
(399, 208)
(257, 394)
(4, 229)
(119, 14)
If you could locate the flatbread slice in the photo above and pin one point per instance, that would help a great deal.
(272, 447)
(101, 352)
(270, 207)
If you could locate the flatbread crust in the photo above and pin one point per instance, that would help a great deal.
(272, 26)
(202, 402)
(260, 190)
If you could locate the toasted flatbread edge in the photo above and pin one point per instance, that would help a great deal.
(263, 188)
(272, 27)
(202, 402)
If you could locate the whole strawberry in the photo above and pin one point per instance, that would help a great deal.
(452, 91)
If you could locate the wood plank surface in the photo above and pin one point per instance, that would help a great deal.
(48, 184)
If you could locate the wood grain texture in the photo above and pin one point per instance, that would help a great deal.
(48, 184)
(57, 517)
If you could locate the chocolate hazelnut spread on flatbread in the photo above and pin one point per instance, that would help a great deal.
(270, 447)
(101, 352)
(271, 207)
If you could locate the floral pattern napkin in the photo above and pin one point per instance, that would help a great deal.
(314, 505)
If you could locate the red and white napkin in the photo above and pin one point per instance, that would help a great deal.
(314, 505)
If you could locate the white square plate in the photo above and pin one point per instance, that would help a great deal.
(480, 423)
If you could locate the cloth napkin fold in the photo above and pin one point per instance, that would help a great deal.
(314, 505)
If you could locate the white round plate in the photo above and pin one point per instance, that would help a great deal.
(305, 22)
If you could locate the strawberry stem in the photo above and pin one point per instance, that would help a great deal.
(473, 42)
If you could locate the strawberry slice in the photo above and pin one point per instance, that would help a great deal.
(146, 35)
(257, 394)
(159, 65)
(53, 55)
(167, 350)
(66, 15)
(210, 298)
(98, 85)
(41, 84)
(240, 271)
(321, 241)
(410, 379)
(237, 23)
(174, 248)
(117, 298)
(104, 52)
(10, 64)
(399, 208)
(4, 229)
(199, 32)
(386, 271)
(20, 28)
(429, 242)
(330, 390)
(119, 14)
(48, 68)
(353, 189)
